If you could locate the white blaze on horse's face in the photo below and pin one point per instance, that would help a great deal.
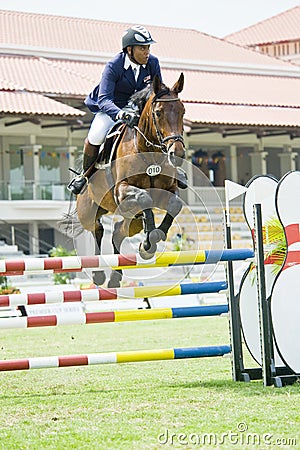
(176, 153)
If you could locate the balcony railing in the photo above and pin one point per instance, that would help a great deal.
(30, 190)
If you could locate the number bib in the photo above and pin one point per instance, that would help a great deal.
(153, 170)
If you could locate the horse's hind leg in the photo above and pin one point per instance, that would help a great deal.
(98, 276)
(117, 239)
(89, 214)
(123, 229)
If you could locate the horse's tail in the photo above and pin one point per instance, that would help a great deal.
(70, 224)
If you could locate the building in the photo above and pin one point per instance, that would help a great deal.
(277, 36)
(242, 111)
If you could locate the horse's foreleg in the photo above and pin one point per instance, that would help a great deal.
(173, 208)
(99, 276)
(134, 201)
(153, 235)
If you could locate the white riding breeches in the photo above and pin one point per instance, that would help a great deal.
(99, 128)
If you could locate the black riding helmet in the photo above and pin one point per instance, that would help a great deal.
(136, 35)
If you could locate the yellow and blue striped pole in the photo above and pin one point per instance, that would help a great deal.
(80, 317)
(89, 295)
(113, 357)
(134, 261)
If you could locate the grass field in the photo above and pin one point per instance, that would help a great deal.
(170, 404)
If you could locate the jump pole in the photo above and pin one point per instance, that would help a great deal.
(112, 358)
(77, 317)
(89, 295)
(79, 263)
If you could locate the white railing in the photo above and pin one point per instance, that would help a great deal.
(30, 190)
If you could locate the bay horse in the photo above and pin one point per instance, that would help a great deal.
(142, 175)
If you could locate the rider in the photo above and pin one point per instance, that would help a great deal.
(128, 72)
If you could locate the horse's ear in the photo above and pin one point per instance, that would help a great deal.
(156, 84)
(178, 86)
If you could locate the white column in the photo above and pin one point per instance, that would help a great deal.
(4, 170)
(258, 160)
(65, 174)
(32, 165)
(233, 163)
(287, 160)
(188, 195)
(33, 238)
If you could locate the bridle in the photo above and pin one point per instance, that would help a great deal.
(168, 141)
(165, 143)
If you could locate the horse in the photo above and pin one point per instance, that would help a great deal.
(142, 175)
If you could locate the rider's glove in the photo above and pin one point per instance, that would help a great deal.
(130, 118)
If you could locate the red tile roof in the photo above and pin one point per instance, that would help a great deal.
(76, 79)
(280, 28)
(228, 88)
(240, 115)
(29, 103)
(72, 54)
(96, 38)
(44, 76)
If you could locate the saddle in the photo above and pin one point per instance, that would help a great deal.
(108, 148)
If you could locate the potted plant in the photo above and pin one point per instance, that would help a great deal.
(5, 288)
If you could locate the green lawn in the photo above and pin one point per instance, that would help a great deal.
(169, 404)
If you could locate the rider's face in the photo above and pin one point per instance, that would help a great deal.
(140, 53)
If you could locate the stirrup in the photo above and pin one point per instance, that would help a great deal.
(76, 185)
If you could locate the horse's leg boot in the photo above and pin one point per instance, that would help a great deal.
(182, 179)
(90, 154)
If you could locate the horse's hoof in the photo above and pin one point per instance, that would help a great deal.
(156, 236)
(162, 234)
(153, 238)
(145, 254)
(115, 280)
(99, 277)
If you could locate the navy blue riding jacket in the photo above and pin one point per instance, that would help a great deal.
(118, 84)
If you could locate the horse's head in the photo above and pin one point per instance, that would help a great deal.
(161, 124)
(167, 116)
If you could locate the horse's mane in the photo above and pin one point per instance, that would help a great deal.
(140, 98)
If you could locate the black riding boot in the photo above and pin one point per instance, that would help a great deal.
(90, 154)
